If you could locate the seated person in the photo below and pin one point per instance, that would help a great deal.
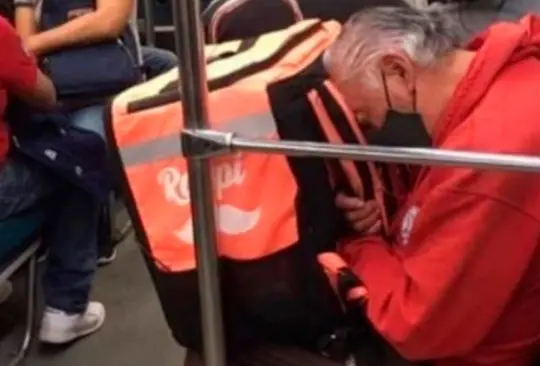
(457, 282)
(155, 61)
(71, 229)
(107, 20)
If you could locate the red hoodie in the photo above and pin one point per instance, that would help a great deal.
(18, 75)
(460, 283)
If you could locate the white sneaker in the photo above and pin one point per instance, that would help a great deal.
(57, 327)
(5, 291)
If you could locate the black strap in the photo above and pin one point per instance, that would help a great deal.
(346, 133)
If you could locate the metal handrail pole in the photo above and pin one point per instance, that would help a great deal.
(149, 23)
(189, 44)
(402, 155)
(218, 143)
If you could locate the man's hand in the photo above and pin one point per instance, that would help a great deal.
(364, 217)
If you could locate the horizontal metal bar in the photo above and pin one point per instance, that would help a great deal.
(416, 156)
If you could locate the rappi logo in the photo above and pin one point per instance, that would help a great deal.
(231, 220)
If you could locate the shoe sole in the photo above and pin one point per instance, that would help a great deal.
(64, 340)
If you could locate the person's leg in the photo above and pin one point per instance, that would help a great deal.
(72, 235)
(90, 119)
(156, 61)
(22, 185)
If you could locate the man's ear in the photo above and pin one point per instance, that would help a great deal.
(397, 65)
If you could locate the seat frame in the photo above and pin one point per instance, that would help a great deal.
(27, 258)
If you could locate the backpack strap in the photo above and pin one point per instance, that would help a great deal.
(377, 182)
(333, 136)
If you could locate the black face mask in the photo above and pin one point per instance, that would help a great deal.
(400, 129)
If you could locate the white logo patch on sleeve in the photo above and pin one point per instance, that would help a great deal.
(407, 224)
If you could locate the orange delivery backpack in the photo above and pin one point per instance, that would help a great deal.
(274, 214)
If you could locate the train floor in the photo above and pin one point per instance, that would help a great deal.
(135, 333)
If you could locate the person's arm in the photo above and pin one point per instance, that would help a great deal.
(19, 73)
(458, 272)
(107, 22)
(25, 18)
(43, 95)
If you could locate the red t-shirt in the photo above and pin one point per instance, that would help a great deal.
(18, 75)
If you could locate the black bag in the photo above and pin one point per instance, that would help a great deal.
(238, 19)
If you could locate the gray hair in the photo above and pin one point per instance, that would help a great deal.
(424, 34)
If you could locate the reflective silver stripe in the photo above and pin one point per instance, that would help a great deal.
(254, 126)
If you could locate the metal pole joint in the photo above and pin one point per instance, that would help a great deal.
(199, 143)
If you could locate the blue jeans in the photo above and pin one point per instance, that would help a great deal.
(89, 119)
(156, 61)
(71, 229)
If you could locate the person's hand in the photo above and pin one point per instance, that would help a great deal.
(364, 217)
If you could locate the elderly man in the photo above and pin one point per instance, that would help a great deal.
(458, 282)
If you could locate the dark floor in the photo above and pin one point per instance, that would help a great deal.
(135, 333)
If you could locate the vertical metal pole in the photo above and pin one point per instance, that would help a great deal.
(189, 43)
(149, 23)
